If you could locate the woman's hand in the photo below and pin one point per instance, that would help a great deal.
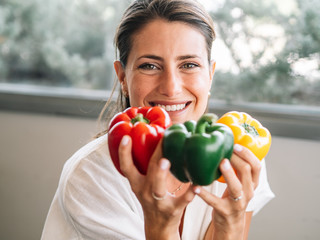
(228, 216)
(162, 211)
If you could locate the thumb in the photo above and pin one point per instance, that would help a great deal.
(127, 166)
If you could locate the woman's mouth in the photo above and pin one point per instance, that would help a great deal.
(172, 107)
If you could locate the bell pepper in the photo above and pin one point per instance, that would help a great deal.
(195, 149)
(247, 132)
(145, 125)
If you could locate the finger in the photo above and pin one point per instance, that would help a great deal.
(209, 198)
(127, 166)
(154, 161)
(250, 158)
(159, 176)
(232, 180)
(157, 154)
(157, 171)
(243, 170)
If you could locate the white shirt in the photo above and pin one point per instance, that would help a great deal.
(94, 201)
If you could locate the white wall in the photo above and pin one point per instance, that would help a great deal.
(33, 151)
(294, 175)
(35, 147)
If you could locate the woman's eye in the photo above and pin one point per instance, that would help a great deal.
(189, 65)
(147, 66)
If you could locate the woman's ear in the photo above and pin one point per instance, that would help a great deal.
(212, 68)
(121, 76)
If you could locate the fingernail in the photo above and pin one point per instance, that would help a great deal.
(226, 165)
(164, 164)
(125, 140)
(237, 148)
(196, 190)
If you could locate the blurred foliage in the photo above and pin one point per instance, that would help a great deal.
(57, 42)
(285, 67)
(275, 54)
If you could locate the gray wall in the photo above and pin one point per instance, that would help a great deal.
(35, 147)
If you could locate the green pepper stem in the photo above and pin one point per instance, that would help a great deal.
(139, 118)
(250, 129)
(206, 120)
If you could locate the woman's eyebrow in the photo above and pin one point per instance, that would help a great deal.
(184, 57)
(151, 56)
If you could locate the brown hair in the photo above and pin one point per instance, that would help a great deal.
(140, 13)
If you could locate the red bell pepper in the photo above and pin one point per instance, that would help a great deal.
(145, 125)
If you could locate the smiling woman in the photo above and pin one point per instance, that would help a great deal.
(55, 54)
(155, 68)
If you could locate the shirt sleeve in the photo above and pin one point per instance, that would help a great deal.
(262, 194)
(99, 203)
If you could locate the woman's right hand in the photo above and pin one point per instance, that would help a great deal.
(162, 212)
(229, 217)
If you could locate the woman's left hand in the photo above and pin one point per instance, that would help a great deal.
(163, 211)
(228, 216)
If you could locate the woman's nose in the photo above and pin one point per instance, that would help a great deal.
(170, 83)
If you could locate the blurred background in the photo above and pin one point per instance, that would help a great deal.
(56, 73)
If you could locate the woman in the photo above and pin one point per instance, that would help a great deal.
(164, 49)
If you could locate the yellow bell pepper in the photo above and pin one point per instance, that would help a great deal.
(247, 132)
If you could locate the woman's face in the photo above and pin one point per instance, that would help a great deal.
(168, 67)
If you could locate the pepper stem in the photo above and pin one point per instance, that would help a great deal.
(139, 118)
(250, 129)
(206, 120)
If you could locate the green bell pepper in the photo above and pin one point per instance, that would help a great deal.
(195, 149)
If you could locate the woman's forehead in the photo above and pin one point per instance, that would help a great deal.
(161, 37)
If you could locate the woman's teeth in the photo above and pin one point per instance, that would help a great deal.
(172, 108)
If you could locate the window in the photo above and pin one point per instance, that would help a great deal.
(58, 43)
(267, 51)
